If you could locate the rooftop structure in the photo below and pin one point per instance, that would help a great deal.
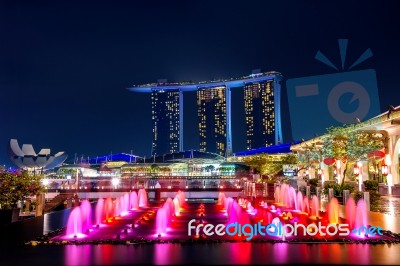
(27, 158)
(262, 104)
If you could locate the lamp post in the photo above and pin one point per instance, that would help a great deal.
(388, 161)
(115, 182)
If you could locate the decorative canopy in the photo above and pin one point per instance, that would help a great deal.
(27, 158)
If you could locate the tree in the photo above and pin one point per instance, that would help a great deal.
(270, 165)
(350, 145)
(311, 155)
(15, 186)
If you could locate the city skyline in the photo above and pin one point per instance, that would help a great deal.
(63, 80)
(214, 112)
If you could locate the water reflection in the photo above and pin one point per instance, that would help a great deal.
(77, 255)
(167, 254)
(240, 253)
(226, 253)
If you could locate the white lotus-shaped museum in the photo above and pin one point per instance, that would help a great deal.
(27, 158)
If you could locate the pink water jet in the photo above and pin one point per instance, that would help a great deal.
(306, 205)
(161, 222)
(117, 207)
(333, 211)
(291, 198)
(99, 212)
(86, 215)
(134, 202)
(277, 195)
(228, 204)
(315, 206)
(300, 203)
(164, 216)
(351, 212)
(126, 202)
(286, 196)
(176, 206)
(171, 207)
(234, 212)
(181, 197)
(361, 214)
(221, 198)
(108, 209)
(74, 224)
(142, 197)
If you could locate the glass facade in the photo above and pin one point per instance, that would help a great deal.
(260, 114)
(211, 104)
(166, 121)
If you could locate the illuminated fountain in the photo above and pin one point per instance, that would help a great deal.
(168, 211)
(134, 203)
(299, 199)
(74, 224)
(178, 202)
(161, 221)
(293, 207)
(333, 211)
(221, 198)
(165, 214)
(234, 212)
(286, 195)
(126, 202)
(351, 212)
(108, 209)
(361, 219)
(314, 207)
(99, 212)
(142, 197)
(79, 220)
(277, 194)
(117, 206)
(176, 206)
(86, 215)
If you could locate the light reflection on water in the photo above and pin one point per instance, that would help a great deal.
(231, 253)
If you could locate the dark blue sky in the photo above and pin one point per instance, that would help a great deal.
(65, 65)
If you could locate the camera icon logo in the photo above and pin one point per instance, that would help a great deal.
(318, 102)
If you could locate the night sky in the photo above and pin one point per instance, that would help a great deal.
(65, 65)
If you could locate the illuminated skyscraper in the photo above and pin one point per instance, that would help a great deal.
(212, 110)
(262, 105)
(166, 118)
(262, 109)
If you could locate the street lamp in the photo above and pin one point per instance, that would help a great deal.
(115, 182)
(45, 183)
(385, 170)
(319, 171)
(356, 170)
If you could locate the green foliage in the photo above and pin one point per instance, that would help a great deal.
(270, 165)
(350, 145)
(374, 198)
(371, 185)
(347, 142)
(357, 195)
(17, 186)
(337, 189)
(313, 182)
(309, 156)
